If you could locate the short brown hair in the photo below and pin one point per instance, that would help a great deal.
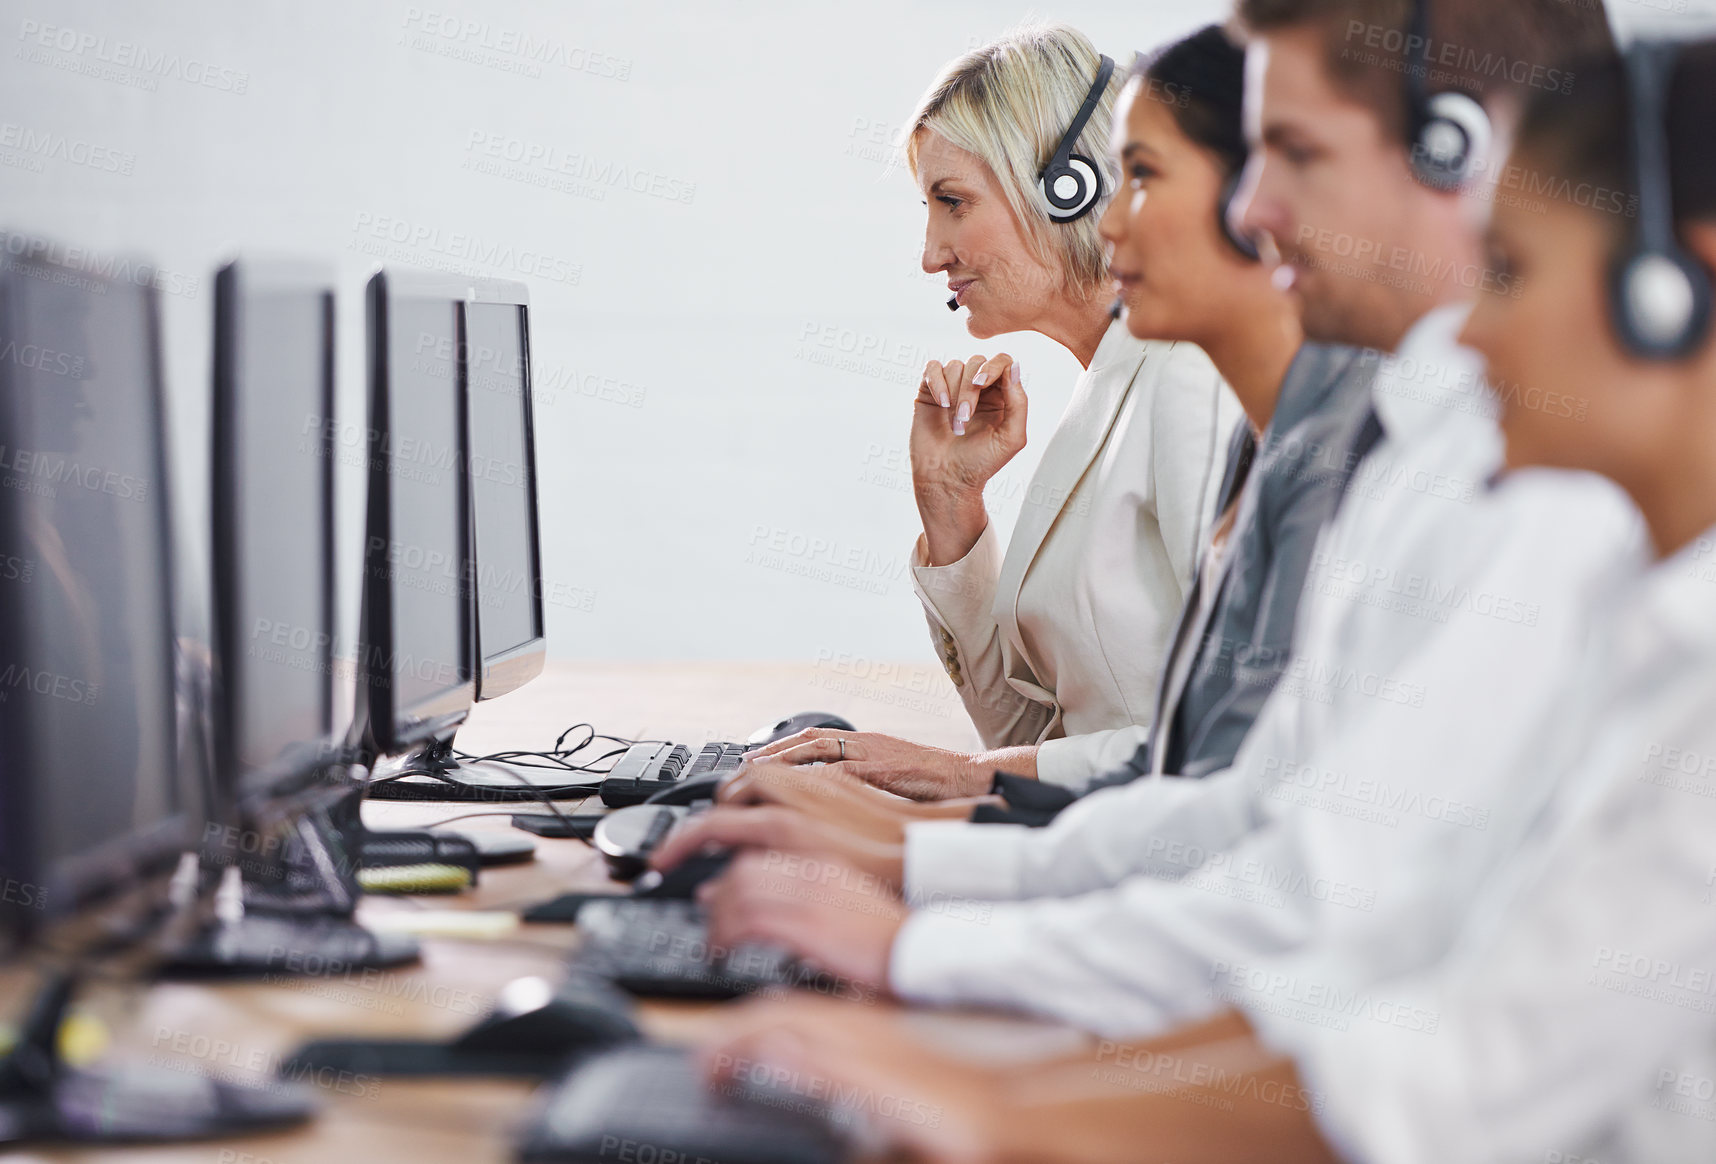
(1588, 140)
(1484, 48)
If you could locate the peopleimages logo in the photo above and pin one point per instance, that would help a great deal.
(589, 176)
(22, 893)
(40, 359)
(86, 262)
(396, 239)
(1446, 63)
(16, 569)
(481, 42)
(42, 473)
(151, 65)
(57, 147)
(17, 677)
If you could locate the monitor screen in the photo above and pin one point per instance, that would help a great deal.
(87, 676)
(503, 481)
(422, 558)
(273, 536)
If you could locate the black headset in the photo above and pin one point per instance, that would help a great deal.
(1659, 294)
(1449, 131)
(1071, 183)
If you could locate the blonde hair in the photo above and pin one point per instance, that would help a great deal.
(1009, 103)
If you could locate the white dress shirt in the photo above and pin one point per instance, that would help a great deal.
(1440, 623)
(1058, 643)
(1575, 1019)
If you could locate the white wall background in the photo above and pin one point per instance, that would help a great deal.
(722, 364)
(727, 339)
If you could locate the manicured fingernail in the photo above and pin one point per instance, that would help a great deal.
(1013, 371)
(944, 400)
(980, 379)
(959, 419)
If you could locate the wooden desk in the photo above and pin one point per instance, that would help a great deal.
(241, 1032)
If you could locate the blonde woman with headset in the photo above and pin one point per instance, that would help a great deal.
(1053, 643)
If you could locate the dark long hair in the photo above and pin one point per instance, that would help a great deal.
(1201, 80)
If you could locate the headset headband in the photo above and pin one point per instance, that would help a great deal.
(1650, 66)
(1064, 151)
(1448, 131)
(1661, 294)
(1418, 82)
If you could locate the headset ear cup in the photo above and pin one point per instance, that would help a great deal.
(1070, 192)
(1453, 141)
(1071, 184)
(1661, 303)
(1242, 242)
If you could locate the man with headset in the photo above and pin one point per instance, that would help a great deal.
(1350, 810)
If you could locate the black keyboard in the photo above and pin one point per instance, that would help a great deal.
(649, 1102)
(646, 769)
(659, 947)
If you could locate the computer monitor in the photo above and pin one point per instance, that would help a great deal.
(511, 640)
(272, 539)
(491, 360)
(417, 673)
(92, 803)
(283, 841)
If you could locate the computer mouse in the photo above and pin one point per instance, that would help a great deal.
(680, 882)
(532, 1018)
(627, 836)
(793, 724)
(531, 1032)
(660, 1097)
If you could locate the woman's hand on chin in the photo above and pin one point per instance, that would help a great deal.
(968, 422)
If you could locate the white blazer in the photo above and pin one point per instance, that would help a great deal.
(1060, 643)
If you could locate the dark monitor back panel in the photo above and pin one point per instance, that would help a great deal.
(91, 790)
(273, 541)
(510, 633)
(418, 666)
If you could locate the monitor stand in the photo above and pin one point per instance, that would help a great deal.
(303, 926)
(433, 773)
(44, 1099)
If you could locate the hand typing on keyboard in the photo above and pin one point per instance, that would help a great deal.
(831, 915)
(786, 830)
(912, 770)
(901, 1095)
(827, 793)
